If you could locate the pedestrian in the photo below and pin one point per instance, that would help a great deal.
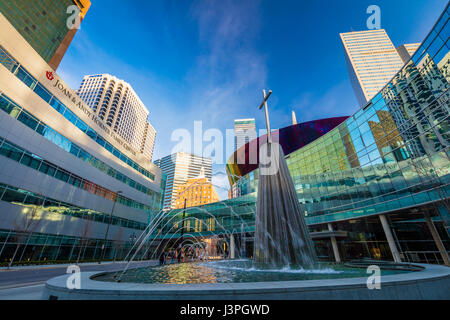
(161, 258)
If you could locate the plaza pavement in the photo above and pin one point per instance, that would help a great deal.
(27, 283)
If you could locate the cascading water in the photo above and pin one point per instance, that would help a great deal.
(281, 235)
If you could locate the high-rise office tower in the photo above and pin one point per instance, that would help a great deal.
(43, 24)
(407, 50)
(115, 102)
(196, 192)
(244, 131)
(179, 167)
(372, 61)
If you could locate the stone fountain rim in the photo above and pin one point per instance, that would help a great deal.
(92, 289)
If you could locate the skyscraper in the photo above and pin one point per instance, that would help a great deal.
(179, 167)
(115, 102)
(294, 118)
(43, 24)
(372, 61)
(244, 131)
(407, 50)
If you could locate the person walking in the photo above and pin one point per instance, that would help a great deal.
(162, 258)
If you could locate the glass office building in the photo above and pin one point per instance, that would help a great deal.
(67, 181)
(376, 184)
(43, 24)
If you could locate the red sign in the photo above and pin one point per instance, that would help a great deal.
(50, 75)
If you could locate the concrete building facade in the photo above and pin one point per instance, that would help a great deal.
(372, 61)
(196, 192)
(62, 169)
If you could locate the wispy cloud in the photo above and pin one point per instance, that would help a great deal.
(231, 66)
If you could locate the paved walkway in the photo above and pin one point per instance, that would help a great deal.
(32, 292)
(27, 282)
(65, 265)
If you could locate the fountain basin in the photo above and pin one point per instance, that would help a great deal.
(433, 282)
(243, 270)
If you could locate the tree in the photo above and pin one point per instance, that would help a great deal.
(28, 223)
(85, 233)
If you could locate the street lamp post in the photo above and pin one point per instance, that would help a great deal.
(182, 219)
(102, 251)
(182, 231)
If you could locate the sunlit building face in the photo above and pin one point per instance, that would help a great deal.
(372, 61)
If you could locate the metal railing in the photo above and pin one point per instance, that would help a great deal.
(433, 257)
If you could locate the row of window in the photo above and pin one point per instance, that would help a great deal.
(40, 127)
(391, 146)
(29, 199)
(12, 65)
(355, 187)
(59, 247)
(374, 187)
(360, 52)
(16, 153)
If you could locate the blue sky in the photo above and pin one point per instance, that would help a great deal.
(209, 60)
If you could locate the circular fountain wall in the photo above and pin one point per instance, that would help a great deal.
(235, 280)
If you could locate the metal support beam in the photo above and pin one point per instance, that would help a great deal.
(437, 239)
(390, 238)
(337, 257)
